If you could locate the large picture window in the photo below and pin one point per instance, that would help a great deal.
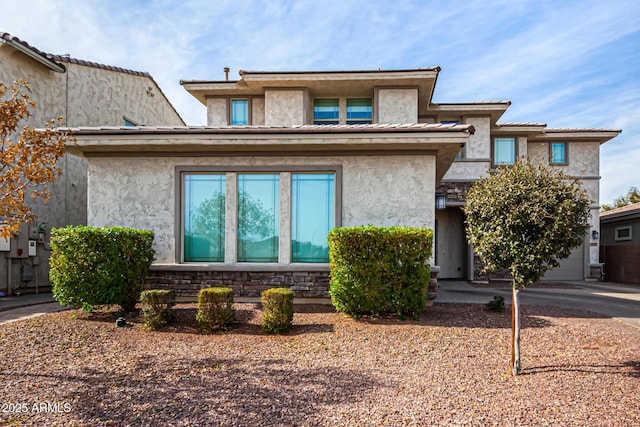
(204, 217)
(258, 217)
(312, 216)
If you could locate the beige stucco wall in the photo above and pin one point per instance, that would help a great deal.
(217, 114)
(285, 107)
(397, 105)
(140, 192)
(83, 96)
(479, 145)
(257, 111)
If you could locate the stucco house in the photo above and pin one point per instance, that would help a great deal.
(83, 93)
(247, 201)
(620, 244)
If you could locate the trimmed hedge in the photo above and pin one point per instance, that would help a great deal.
(277, 310)
(215, 309)
(92, 266)
(156, 307)
(376, 270)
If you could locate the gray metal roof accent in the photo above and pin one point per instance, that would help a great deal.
(304, 129)
(623, 211)
(44, 58)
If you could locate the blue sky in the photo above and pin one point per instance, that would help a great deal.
(571, 63)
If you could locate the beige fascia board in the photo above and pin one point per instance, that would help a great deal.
(313, 76)
(493, 109)
(578, 135)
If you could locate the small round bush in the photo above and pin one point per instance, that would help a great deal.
(156, 307)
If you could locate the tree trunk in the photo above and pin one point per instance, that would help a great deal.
(515, 332)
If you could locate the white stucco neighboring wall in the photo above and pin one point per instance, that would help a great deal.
(140, 192)
(83, 96)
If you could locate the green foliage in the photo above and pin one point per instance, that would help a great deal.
(277, 310)
(99, 266)
(632, 196)
(215, 309)
(524, 218)
(156, 307)
(497, 304)
(377, 270)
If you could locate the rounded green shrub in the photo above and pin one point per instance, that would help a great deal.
(277, 310)
(92, 266)
(377, 270)
(215, 309)
(156, 306)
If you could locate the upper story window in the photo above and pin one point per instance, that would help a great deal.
(504, 151)
(558, 153)
(359, 111)
(326, 111)
(239, 111)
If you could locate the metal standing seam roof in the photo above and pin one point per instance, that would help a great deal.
(303, 129)
(56, 59)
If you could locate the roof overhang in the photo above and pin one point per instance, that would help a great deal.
(326, 83)
(577, 135)
(441, 141)
(494, 109)
(32, 53)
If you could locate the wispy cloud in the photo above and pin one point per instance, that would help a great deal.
(569, 64)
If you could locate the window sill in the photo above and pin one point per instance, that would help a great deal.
(241, 266)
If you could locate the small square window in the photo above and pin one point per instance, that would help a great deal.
(359, 111)
(558, 153)
(504, 151)
(326, 112)
(622, 233)
(239, 111)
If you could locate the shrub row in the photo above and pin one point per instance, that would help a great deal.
(215, 309)
(377, 270)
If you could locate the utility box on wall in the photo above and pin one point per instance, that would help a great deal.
(20, 243)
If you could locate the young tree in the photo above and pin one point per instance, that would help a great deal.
(28, 161)
(524, 218)
(632, 196)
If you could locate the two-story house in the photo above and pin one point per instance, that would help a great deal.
(83, 93)
(247, 201)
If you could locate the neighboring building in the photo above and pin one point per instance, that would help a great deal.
(84, 94)
(620, 244)
(248, 200)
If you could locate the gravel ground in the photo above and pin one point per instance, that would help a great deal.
(448, 368)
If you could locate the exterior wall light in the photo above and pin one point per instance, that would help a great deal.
(441, 202)
(595, 234)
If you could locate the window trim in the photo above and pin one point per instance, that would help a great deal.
(616, 231)
(493, 149)
(566, 154)
(281, 169)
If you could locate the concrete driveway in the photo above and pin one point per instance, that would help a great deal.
(618, 301)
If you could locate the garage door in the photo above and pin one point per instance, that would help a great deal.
(572, 268)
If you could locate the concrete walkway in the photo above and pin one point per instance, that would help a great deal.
(617, 301)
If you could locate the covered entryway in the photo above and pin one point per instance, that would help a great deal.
(451, 244)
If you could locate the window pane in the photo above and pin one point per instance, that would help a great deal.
(312, 216)
(504, 151)
(204, 208)
(258, 209)
(326, 111)
(359, 109)
(239, 112)
(558, 152)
